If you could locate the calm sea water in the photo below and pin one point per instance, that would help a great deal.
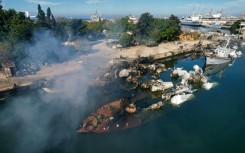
(214, 121)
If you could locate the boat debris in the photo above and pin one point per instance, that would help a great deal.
(181, 98)
(144, 75)
(155, 106)
(159, 85)
(208, 85)
(47, 90)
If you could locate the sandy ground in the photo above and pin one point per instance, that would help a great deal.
(98, 58)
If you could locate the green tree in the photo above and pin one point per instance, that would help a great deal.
(234, 28)
(20, 28)
(41, 19)
(170, 33)
(40, 15)
(144, 26)
(126, 39)
(115, 28)
(61, 28)
(53, 21)
(96, 27)
(48, 18)
(76, 28)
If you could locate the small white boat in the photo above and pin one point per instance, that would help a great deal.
(179, 99)
(221, 55)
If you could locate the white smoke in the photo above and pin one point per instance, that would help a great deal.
(38, 121)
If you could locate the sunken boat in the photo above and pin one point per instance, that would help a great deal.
(119, 115)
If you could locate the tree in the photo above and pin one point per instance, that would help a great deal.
(48, 18)
(144, 26)
(115, 29)
(40, 15)
(41, 19)
(126, 39)
(76, 28)
(53, 21)
(236, 26)
(20, 28)
(174, 20)
(1, 7)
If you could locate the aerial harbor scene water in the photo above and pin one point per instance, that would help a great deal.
(121, 76)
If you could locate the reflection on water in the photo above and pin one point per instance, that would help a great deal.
(212, 122)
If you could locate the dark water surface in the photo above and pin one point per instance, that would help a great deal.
(214, 121)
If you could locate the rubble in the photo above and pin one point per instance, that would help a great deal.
(131, 108)
(159, 85)
(155, 106)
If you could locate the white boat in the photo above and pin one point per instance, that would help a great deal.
(191, 21)
(221, 55)
(179, 99)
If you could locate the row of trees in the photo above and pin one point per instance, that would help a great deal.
(17, 30)
(148, 30)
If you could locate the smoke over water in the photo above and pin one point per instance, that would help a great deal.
(36, 121)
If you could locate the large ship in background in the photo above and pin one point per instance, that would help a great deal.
(192, 21)
(209, 20)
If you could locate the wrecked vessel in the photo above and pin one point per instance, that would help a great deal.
(114, 117)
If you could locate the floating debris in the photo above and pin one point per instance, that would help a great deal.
(159, 85)
(155, 106)
(179, 99)
(47, 90)
(208, 85)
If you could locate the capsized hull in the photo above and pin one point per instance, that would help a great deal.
(215, 68)
(113, 117)
(216, 61)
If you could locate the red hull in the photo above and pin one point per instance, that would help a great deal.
(112, 117)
